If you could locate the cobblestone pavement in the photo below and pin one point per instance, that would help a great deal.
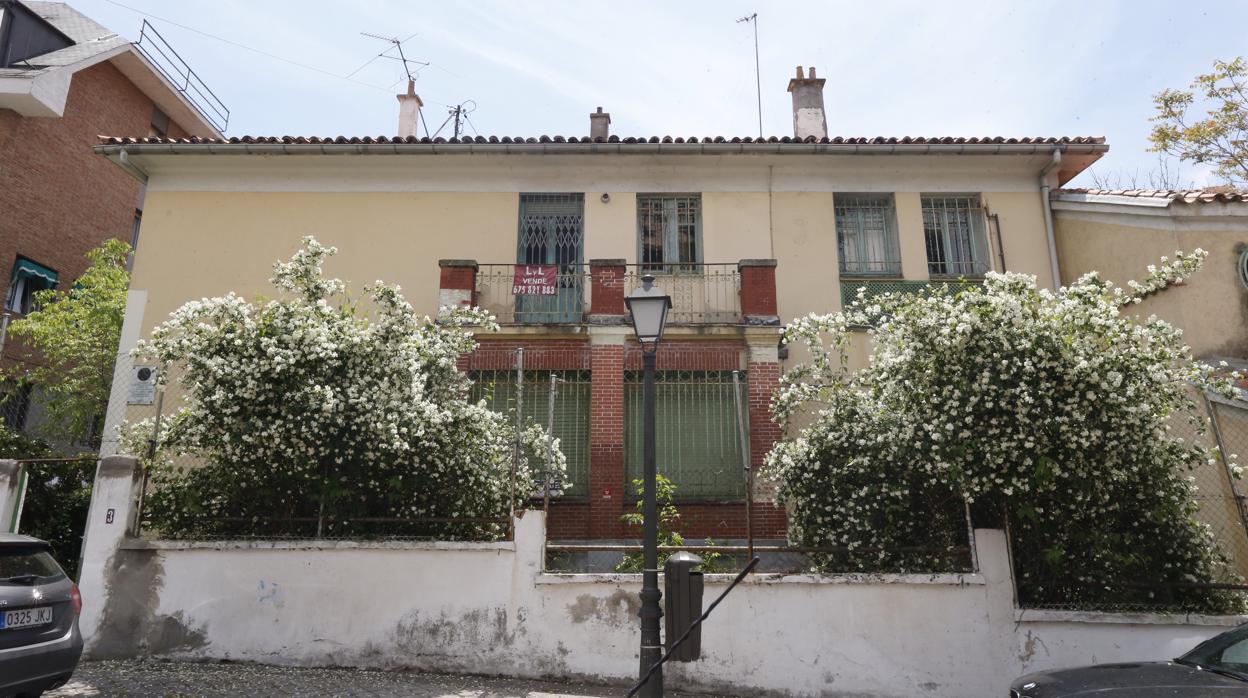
(155, 679)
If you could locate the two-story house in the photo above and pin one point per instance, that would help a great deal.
(63, 81)
(744, 233)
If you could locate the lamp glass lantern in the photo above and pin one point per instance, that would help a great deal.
(648, 306)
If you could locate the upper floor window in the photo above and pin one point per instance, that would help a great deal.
(669, 231)
(954, 230)
(28, 279)
(866, 235)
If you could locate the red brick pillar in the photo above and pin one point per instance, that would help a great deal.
(758, 291)
(606, 300)
(606, 435)
(763, 366)
(458, 284)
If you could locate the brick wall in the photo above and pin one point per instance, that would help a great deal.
(606, 441)
(59, 199)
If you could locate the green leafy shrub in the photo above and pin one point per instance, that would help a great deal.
(669, 519)
(58, 495)
(1051, 407)
(310, 415)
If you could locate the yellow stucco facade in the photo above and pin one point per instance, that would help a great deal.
(223, 229)
(1121, 240)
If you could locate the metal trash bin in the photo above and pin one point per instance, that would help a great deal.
(682, 604)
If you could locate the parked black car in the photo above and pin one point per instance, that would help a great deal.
(39, 605)
(1217, 668)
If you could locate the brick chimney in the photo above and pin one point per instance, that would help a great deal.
(809, 118)
(409, 111)
(599, 125)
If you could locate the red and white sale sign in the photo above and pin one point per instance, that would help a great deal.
(535, 280)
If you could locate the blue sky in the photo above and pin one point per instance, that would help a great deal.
(687, 68)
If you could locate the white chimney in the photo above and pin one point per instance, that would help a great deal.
(808, 115)
(599, 125)
(409, 111)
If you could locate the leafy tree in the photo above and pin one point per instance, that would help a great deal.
(58, 495)
(1220, 136)
(312, 414)
(76, 333)
(1052, 408)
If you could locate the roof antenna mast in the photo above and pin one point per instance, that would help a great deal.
(758, 83)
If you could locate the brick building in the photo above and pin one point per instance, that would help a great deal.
(63, 81)
(743, 233)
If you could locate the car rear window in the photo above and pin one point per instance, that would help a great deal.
(22, 563)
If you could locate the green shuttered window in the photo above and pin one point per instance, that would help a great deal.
(698, 445)
(571, 426)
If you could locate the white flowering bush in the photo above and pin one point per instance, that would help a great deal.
(1051, 409)
(314, 413)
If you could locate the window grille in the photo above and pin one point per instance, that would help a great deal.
(669, 232)
(697, 444)
(551, 232)
(498, 389)
(866, 235)
(954, 230)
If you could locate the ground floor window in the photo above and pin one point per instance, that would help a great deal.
(571, 416)
(698, 441)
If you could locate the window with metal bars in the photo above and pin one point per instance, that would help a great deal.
(571, 423)
(954, 231)
(669, 232)
(697, 441)
(866, 235)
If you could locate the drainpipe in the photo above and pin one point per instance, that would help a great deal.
(1047, 208)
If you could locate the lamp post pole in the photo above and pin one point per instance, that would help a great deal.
(648, 307)
(651, 612)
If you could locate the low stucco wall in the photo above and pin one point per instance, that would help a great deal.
(489, 608)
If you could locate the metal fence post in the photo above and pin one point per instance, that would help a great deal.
(550, 443)
(152, 446)
(743, 435)
(518, 451)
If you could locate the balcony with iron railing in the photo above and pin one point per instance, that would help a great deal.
(742, 293)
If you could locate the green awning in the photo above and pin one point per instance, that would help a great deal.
(27, 269)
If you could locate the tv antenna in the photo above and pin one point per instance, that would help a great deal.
(395, 44)
(758, 83)
(459, 113)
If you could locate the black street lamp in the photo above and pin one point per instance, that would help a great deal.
(648, 307)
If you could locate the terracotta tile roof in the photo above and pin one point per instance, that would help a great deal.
(1185, 196)
(471, 140)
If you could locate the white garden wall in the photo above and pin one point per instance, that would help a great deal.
(488, 608)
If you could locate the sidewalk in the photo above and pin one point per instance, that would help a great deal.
(155, 679)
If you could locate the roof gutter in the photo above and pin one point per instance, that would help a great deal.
(121, 159)
(1047, 208)
(599, 148)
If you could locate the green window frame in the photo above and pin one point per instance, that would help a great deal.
(697, 441)
(571, 425)
(866, 235)
(669, 232)
(956, 236)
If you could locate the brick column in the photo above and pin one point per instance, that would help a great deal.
(459, 281)
(606, 432)
(758, 291)
(606, 291)
(763, 366)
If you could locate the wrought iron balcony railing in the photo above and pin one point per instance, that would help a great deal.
(522, 294)
(701, 293)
